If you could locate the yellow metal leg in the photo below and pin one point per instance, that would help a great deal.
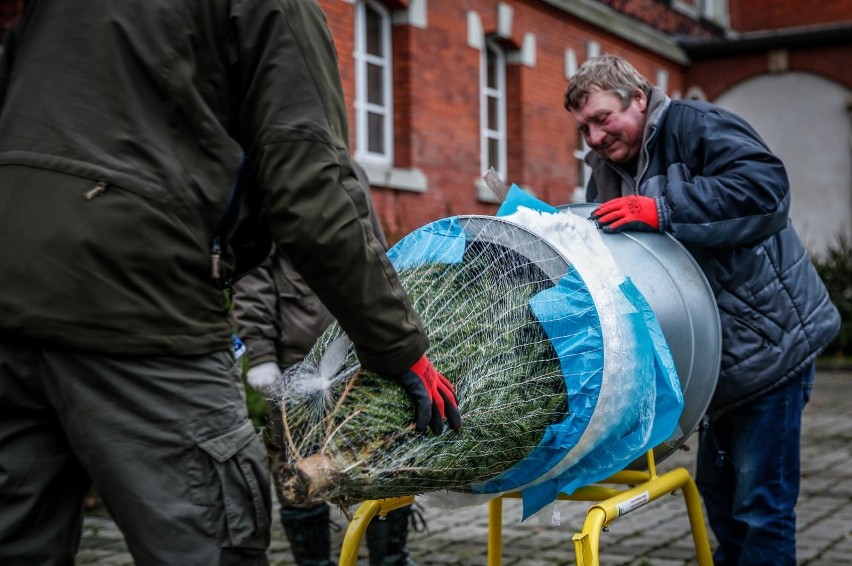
(586, 542)
(355, 532)
(358, 526)
(696, 521)
(495, 532)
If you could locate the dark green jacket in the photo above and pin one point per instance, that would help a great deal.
(151, 104)
(276, 314)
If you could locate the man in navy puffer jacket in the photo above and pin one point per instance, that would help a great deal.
(704, 175)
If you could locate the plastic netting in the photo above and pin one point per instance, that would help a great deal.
(524, 337)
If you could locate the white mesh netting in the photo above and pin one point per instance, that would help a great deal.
(348, 433)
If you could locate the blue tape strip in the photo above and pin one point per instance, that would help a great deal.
(517, 197)
(442, 241)
(658, 394)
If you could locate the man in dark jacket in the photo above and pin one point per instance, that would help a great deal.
(122, 129)
(279, 319)
(705, 176)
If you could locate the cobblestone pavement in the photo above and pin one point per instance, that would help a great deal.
(657, 534)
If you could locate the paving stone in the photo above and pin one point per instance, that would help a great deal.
(657, 534)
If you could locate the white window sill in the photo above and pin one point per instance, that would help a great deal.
(395, 178)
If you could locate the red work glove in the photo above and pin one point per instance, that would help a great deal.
(433, 396)
(628, 213)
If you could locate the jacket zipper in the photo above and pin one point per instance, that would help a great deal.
(215, 258)
(99, 189)
(645, 153)
(623, 175)
(215, 248)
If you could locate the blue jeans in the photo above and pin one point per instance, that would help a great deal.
(748, 475)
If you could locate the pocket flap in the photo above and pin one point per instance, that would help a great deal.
(224, 446)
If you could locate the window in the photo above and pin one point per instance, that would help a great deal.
(493, 109)
(570, 63)
(373, 90)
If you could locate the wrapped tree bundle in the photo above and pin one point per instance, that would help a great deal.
(518, 330)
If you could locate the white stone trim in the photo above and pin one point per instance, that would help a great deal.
(475, 35)
(416, 15)
(505, 20)
(397, 178)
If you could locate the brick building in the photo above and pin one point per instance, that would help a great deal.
(476, 84)
(440, 90)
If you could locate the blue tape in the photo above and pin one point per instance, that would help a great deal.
(658, 394)
(517, 197)
(442, 241)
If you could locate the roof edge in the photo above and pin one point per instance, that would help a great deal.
(624, 27)
(764, 40)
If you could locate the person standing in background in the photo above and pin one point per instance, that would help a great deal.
(703, 175)
(279, 319)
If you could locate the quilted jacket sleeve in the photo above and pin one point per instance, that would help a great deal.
(724, 186)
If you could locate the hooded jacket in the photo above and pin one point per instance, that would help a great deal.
(122, 128)
(723, 194)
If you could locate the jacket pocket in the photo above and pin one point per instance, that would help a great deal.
(744, 339)
(240, 466)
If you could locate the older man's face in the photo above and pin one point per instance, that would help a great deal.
(610, 129)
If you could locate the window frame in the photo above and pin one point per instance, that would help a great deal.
(498, 93)
(363, 107)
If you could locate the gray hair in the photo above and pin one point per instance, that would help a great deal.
(608, 73)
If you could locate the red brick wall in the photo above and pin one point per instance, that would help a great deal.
(717, 75)
(754, 15)
(341, 22)
(714, 76)
(832, 62)
(659, 16)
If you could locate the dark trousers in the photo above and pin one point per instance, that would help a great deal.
(165, 440)
(748, 474)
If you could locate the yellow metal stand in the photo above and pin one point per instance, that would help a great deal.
(358, 526)
(647, 487)
(612, 503)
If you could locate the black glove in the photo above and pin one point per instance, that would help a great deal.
(433, 396)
